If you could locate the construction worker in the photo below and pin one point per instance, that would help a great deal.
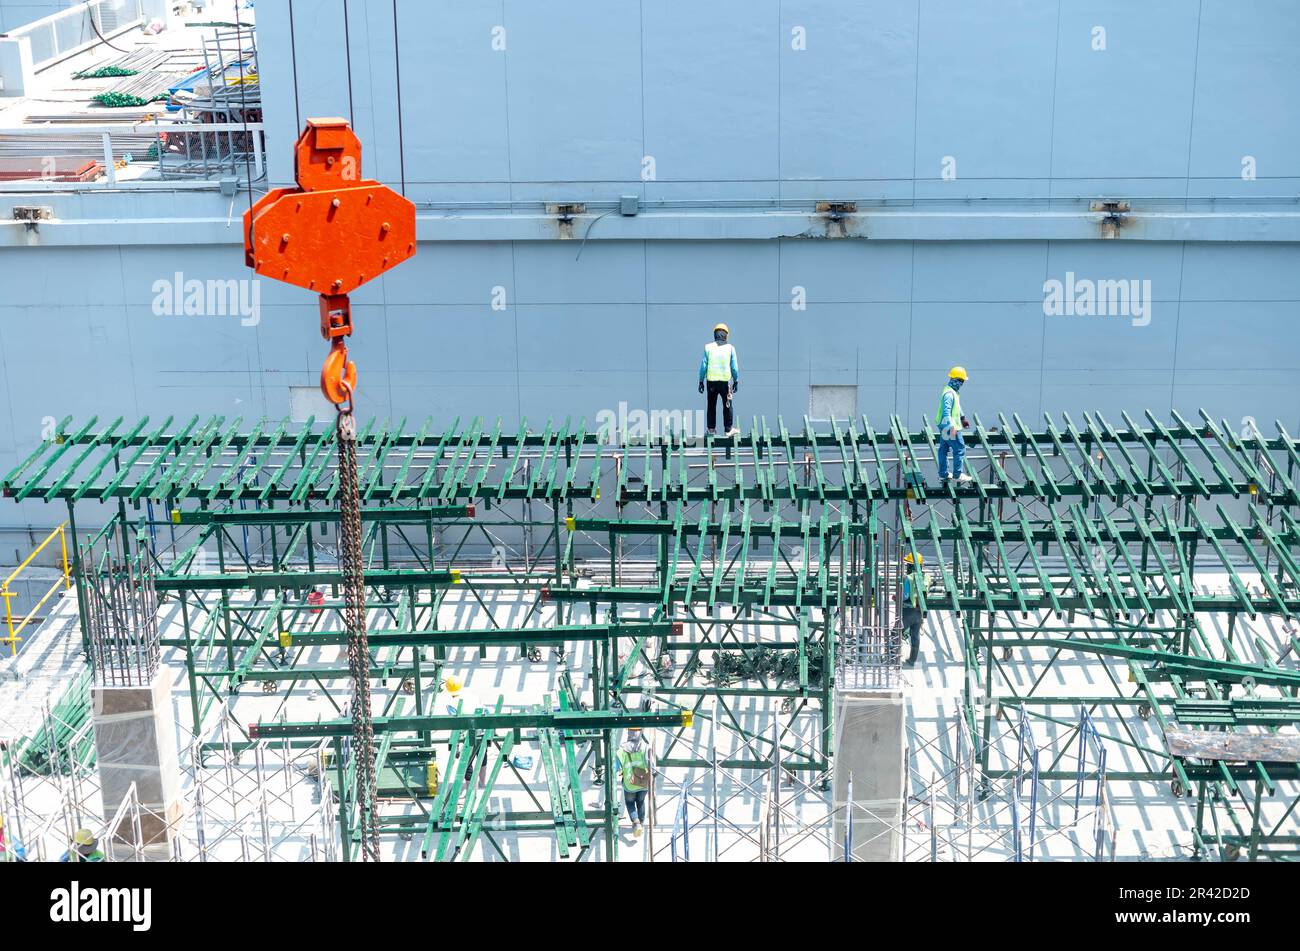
(84, 848)
(634, 767)
(951, 422)
(719, 378)
(10, 851)
(461, 702)
(456, 697)
(912, 614)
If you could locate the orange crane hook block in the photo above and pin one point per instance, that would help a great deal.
(330, 234)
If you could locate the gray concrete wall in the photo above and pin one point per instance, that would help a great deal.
(870, 744)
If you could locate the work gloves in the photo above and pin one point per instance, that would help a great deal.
(734, 386)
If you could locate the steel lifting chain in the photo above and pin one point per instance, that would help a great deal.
(354, 598)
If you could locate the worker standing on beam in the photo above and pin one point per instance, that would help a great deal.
(719, 378)
(951, 422)
(912, 615)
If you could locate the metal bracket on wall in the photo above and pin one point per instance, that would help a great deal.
(1114, 212)
(835, 210)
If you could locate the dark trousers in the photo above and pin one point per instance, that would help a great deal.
(635, 799)
(912, 619)
(715, 389)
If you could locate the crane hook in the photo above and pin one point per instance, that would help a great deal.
(338, 377)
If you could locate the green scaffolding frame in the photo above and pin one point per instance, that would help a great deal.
(1077, 538)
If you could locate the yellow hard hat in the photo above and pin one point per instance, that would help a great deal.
(919, 559)
(723, 327)
(84, 837)
(452, 684)
(957, 373)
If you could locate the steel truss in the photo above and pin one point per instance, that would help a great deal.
(697, 575)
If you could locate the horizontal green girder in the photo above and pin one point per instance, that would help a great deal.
(556, 720)
(489, 637)
(288, 516)
(1209, 668)
(267, 580)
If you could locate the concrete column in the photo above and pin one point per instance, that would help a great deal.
(16, 69)
(870, 743)
(135, 737)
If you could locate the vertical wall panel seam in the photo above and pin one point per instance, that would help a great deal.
(1042, 347)
(293, 54)
(916, 104)
(645, 245)
(397, 68)
(1051, 122)
(1191, 118)
(510, 198)
(1178, 324)
(347, 55)
(126, 326)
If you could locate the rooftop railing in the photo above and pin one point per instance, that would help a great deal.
(38, 45)
(180, 150)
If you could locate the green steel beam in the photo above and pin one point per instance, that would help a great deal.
(560, 720)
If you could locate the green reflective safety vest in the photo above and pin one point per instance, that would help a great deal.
(911, 593)
(627, 762)
(719, 359)
(956, 408)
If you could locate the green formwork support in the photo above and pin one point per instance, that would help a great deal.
(1081, 538)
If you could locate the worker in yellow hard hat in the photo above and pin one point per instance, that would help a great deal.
(951, 422)
(719, 379)
(457, 697)
(84, 848)
(459, 701)
(912, 615)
